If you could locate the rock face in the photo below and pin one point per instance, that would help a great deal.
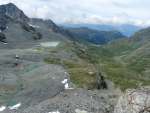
(134, 101)
(2, 37)
(11, 12)
(26, 29)
(49, 24)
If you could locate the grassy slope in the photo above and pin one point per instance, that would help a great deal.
(126, 62)
(81, 71)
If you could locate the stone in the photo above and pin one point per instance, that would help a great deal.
(134, 101)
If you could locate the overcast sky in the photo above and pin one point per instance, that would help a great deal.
(87, 11)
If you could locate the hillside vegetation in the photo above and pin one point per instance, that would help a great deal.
(127, 61)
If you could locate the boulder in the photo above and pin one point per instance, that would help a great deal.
(134, 101)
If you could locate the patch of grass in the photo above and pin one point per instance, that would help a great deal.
(124, 73)
(80, 74)
(82, 78)
(71, 64)
(51, 60)
(123, 76)
(139, 64)
(120, 76)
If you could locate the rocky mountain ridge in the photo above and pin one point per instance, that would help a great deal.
(10, 11)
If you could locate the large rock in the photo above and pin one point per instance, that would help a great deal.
(134, 101)
(2, 37)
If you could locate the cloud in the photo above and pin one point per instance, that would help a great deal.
(87, 11)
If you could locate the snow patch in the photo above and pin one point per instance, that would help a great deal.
(2, 108)
(80, 111)
(64, 81)
(5, 43)
(35, 26)
(66, 85)
(49, 44)
(15, 107)
(54, 112)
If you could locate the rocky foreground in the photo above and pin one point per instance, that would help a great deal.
(134, 101)
(38, 87)
(83, 101)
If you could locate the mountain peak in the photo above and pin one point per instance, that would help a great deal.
(11, 4)
(12, 11)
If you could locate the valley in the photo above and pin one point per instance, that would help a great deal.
(45, 68)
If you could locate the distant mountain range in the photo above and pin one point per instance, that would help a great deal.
(32, 29)
(94, 36)
(125, 29)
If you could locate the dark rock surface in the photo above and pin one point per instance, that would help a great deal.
(2, 37)
(10, 12)
(13, 12)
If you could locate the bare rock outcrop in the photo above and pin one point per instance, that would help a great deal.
(134, 101)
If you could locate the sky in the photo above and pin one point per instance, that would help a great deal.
(87, 11)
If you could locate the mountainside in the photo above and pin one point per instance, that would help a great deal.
(94, 36)
(125, 29)
(49, 24)
(126, 61)
(27, 31)
(10, 11)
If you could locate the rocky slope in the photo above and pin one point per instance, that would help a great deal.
(10, 11)
(134, 101)
(37, 69)
(27, 31)
(74, 101)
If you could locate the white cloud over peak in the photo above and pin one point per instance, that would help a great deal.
(87, 11)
